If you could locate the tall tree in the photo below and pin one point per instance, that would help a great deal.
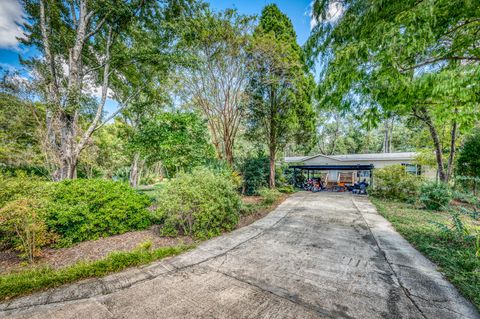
(280, 108)
(152, 52)
(78, 42)
(217, 78)
(409, 58)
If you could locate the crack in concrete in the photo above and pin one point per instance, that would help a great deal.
(295, 301)
(382, 252)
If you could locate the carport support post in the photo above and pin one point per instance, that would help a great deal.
(294, 177)
(371, 178)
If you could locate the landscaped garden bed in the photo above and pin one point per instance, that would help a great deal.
(87, 237)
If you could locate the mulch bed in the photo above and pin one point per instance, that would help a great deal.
(93, 249)
(100, 248)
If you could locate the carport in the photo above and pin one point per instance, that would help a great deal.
(312, 169)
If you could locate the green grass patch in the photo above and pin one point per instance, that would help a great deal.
(27, 281)
(455, 258)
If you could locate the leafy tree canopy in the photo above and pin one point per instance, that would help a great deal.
(178, 140)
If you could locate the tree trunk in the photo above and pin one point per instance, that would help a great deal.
(229, 153)
(453, 149)
(134, 170)
(271, 176)
(425, 117)
(438, 151)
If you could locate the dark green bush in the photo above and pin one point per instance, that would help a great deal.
(202, 203)
(85, 209)
(393, 182)
(435, 195)
(255, 171)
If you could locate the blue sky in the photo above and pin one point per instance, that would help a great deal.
(11, 15)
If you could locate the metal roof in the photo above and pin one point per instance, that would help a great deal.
(334, 167)
(358, 157)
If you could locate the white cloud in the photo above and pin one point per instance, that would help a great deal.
(335, 10)
(11, 17)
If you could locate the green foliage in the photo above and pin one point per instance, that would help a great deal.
(435, 195)
(22, 186)
(457, 229)
(83, 209)
(394, 182)
(178, 140)
(280, 107)
(468, 161)
(287, 189)
(269, 195)
(250, 208)
(408, 58)
(466, 198)
(202, 203)
(16, 284)
(255, 174)
(22, 222)
(457, 259)
(19, 132)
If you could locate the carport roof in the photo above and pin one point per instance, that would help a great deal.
(334, 167)
(357, 157)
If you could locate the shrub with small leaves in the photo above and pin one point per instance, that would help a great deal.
(269, 196)
(435, 195)
(22, 221)
(393, 182)
(202, 203)
(287, 189)
(85, 209)
(22, 186)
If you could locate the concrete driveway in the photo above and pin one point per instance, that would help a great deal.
(323, 255)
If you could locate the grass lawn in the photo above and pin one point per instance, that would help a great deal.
(455, 258)
(26, 281)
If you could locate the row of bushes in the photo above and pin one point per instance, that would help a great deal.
(35, 213)
(393, 182)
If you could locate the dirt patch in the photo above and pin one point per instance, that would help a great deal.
(251, 199)
(93, 249)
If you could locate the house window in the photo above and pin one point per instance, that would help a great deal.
(364, 174)
(413, 169)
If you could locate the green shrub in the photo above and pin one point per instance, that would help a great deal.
(202, 203)
(22, 186)
(255, 171)
(435, 196)
(269, 196)
(287, 189)
(250, 208)
(85, 209)
(22, 222)
(393, 182)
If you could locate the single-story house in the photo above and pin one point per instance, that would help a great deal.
(353, 168)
